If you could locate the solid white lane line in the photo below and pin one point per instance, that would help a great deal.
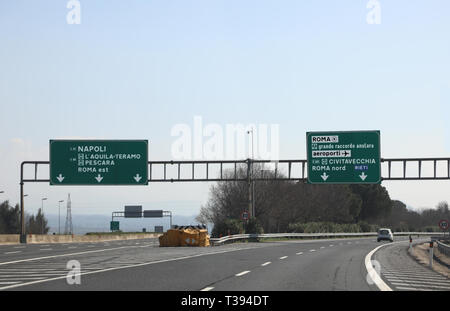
(19, 247)
(66, 255)
(207, 289)
(45, 249)
(242, 273)
(299, 253)
(266, 263)
(7, 253)
(372, 273)
(22, 278)
(8, 283)
(32, 275)
(284, 257)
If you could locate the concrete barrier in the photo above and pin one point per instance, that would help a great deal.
(39, 238)
(47, 238)
(9, 239)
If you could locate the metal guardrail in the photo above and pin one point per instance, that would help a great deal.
(443, 248)
(218, 241)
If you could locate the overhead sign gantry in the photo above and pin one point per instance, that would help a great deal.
(355, 159)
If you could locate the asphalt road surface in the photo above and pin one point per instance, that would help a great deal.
(293, 265)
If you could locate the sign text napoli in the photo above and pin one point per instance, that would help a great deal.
(344, 157)
(98, 162)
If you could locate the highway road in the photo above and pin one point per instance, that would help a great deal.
(291, 265)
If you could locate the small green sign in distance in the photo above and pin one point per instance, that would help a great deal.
(98, 162)
(114, 226)
(344, 157)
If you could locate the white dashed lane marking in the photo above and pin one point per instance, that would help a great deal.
(284, 257)
(242, 273)
(266, 263)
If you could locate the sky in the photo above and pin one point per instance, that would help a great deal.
(135, 69)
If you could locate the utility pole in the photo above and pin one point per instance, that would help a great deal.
(249, 183)
(59, 216)
(42, 214)
(252, 181)
(69, 226)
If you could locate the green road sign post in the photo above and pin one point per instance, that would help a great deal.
(98, 162)
(344, 157)
(114, 226)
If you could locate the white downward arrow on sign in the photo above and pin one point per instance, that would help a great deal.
(325, 176)
(60, 177)
(363, 176)
(99, 178)
(137, 178)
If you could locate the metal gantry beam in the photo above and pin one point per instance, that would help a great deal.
(418, 167)
(293, 170)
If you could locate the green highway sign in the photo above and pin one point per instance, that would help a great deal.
(98, 162)
(114, 226)
(344, 157)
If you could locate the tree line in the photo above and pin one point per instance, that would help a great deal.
(10, 220)
(286, 206)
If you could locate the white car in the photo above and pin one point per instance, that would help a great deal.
(385, 234)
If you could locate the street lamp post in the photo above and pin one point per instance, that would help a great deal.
(42, 214)
(253, 200)
(59, 216)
